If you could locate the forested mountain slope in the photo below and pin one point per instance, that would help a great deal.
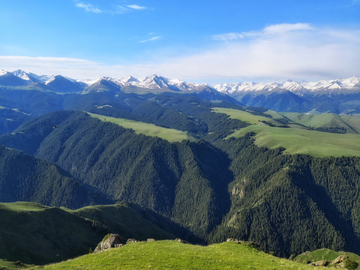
(291, 203)
(26, 178)
(186, 181)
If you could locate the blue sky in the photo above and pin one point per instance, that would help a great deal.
(200, 41)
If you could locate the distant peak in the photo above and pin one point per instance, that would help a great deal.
(3, 72)
(129, 79)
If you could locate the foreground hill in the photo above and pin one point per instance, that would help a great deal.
(37, 234)
(174, 255)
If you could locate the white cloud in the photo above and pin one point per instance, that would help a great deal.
(269, 30)
(87, 7)
(291, 52)
(136, 7)
(119, 9)
(150, 39)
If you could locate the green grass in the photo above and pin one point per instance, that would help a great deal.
(36, 234)
(274, 114)
(173, 255)
(171, 135)
(351, 123)
(242, 115)
(325, 254)
(22, 206)
(302, 141)
(296, 140)
(6, 265)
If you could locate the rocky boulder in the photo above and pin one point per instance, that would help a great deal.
(109, 241)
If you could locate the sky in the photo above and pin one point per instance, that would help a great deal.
(198, 41)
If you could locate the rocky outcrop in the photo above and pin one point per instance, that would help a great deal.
(109, 241)
(131, 240)
(320, 263)
(181, 241)
(341, 262)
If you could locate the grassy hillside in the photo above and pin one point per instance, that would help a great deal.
(171, 135)
(301, 141)
(174, 255)
(351, 123)
(243, 115)
(296, 139)
(37, 234)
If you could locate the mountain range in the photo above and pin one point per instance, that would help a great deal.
(158, 82)
(338, 96)
(75, 143)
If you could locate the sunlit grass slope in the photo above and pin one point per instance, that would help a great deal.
(174, 255)
(350, 122)
(171, 135)
(242, 115)
(22, 206)
(296, 140)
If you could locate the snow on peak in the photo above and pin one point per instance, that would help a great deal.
(41, 78)
(50, 80)
(350, 82)
(129, 79)
(3, 72)
(21, 74)
(292, 86)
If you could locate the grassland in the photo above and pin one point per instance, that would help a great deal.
(171, 135)
(6, 265)
(22, 206)
(242, 115)
(174, 255)
(295, 139)
(351, 123)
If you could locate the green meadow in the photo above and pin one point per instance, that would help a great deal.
(173, 255)
(350, 122)
(22, 206)
(171, 135)
(242, 115)
(296, 139)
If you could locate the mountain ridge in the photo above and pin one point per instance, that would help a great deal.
(158, 82)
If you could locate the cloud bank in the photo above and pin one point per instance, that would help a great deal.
(277, 52)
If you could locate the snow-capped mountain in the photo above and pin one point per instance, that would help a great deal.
(154, 82)
(299, 88)
(30, 77)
